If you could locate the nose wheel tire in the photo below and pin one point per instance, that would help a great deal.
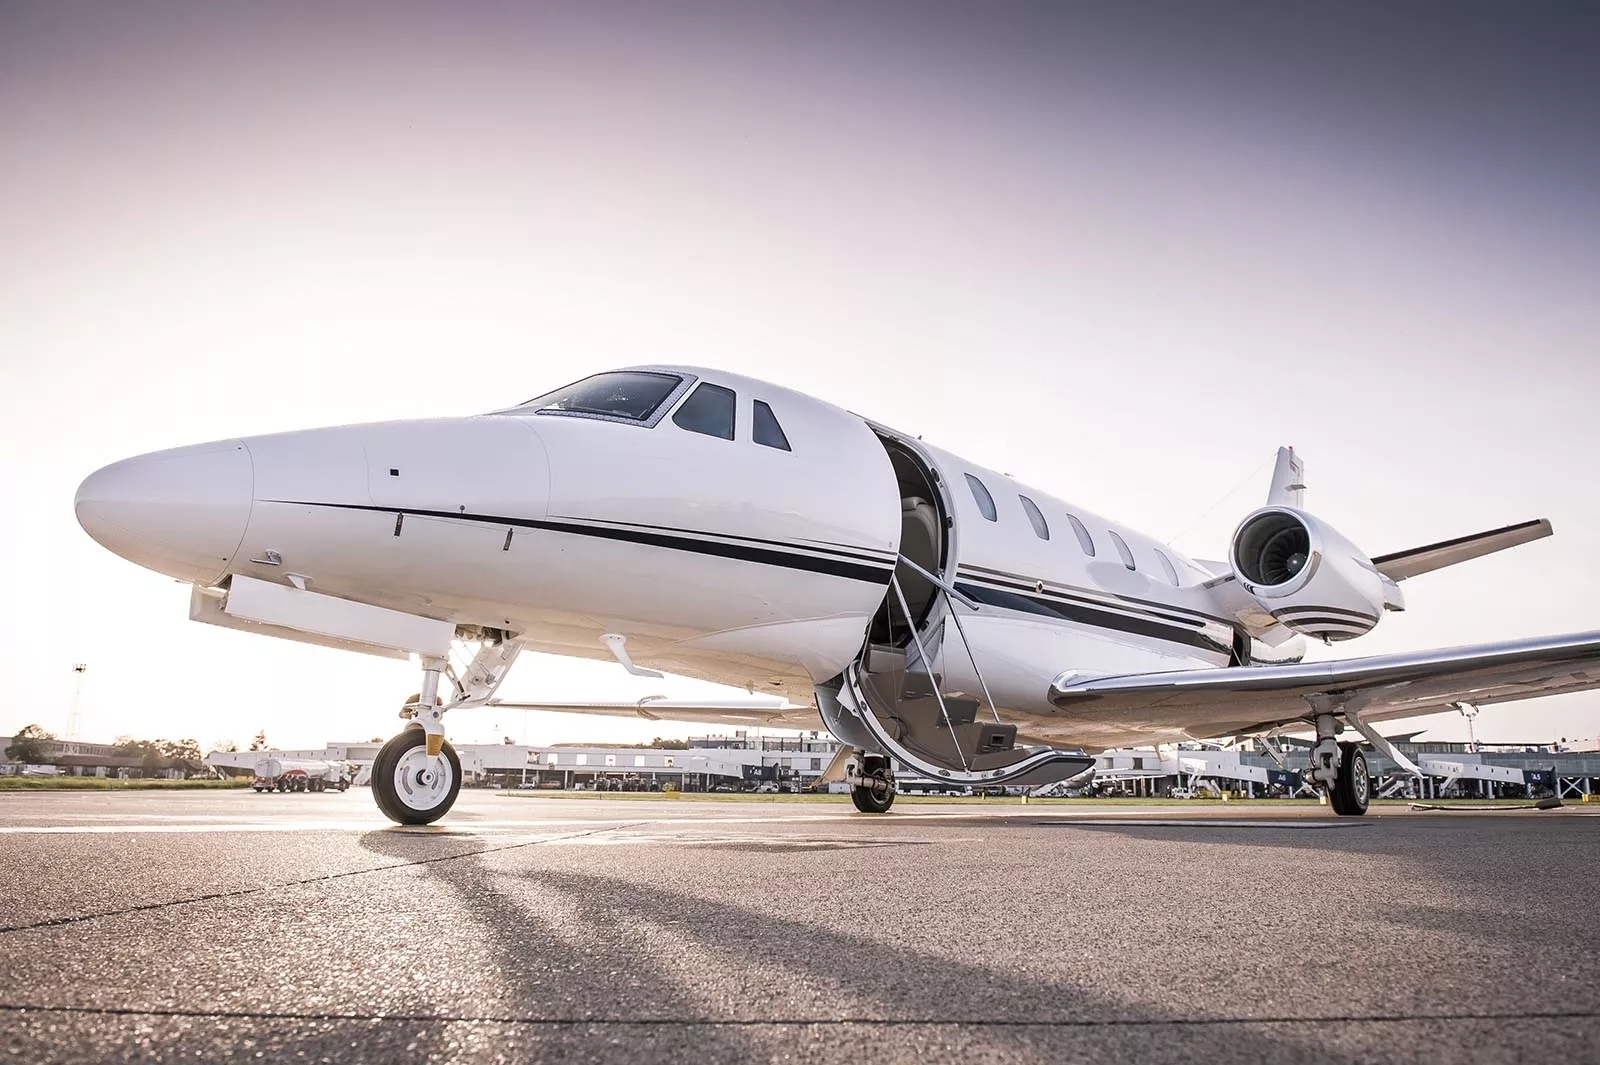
(411, 786)
(874, 797)
(1353, 791)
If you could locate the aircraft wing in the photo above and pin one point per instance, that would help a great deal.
(655, 709)
(1246, 699)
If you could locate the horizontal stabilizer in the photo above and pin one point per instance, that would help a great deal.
(1403, 564)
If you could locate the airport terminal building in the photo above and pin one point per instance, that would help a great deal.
(747, 761)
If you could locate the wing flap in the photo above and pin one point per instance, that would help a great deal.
(1223, 701)
(1418, 560)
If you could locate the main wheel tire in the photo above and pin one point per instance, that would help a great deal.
(410, 787)
(876, 797)
(1353, 792)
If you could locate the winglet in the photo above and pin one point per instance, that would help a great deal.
(1288, 481)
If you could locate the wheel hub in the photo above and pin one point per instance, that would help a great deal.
(422, 781)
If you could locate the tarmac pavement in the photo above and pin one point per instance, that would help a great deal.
(229, 926)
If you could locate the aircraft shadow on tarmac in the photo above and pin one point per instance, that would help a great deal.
(563, 941)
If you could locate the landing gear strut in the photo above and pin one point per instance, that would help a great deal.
(416, 776)
(872, 787)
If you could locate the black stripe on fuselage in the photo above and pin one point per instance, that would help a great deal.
(770, 553)
(1170, 611)
(863, 554)
(1039, 605)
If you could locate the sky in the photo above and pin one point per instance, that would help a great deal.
(1122, 252)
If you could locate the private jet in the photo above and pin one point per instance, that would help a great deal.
(926, 611)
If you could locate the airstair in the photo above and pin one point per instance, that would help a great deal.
(899, 695)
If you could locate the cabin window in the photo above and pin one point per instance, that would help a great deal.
(629, 395)
(708, 410)
(767, 431)
(981, 496)
(1041, 528)
(1122, 549)
(1085, 541)
(1166, 565)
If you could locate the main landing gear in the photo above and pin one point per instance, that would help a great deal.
(1340, 770)
(872, 785)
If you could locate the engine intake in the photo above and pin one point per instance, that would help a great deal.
(1273, 548)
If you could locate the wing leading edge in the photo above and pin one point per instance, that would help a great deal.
(1218, 702)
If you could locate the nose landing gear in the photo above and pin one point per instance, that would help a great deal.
(417, 775)
(413, 787)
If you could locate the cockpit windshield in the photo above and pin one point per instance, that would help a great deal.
(632, 395)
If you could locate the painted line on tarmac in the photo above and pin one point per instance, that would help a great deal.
(803, 1021)
(1296, 825)
(498, 826)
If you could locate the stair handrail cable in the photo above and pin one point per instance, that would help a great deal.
(983, 685)
(955, 596)
(942, 584)
(922, 652)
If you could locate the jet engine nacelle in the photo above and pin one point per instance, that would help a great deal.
(1307, 577)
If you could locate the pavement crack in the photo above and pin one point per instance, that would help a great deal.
(795, 1022)
(57, 922)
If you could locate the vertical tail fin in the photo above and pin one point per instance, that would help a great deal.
(1288, 481)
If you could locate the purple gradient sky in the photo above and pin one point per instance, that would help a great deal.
(1120, 251)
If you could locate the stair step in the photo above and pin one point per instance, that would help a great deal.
(916, 684)
(881, 659)
(962, 711)
(986, 738)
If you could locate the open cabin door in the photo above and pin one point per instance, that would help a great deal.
(896, 691)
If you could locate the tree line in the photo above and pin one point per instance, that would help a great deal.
(31, 746)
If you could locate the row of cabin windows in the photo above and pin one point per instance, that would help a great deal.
(710, 410)
(1041, 528)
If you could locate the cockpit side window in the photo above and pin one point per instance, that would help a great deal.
(766, 431)
(709, 410)
(1041, 528)
(981, 496)
(625, 395)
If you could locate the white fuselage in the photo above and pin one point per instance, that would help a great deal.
(720, 559)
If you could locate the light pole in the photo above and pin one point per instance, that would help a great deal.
(78, 670)
(1469, 711)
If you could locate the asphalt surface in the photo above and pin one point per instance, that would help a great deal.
(179, 926)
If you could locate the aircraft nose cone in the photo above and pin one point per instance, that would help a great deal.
(181, 512)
